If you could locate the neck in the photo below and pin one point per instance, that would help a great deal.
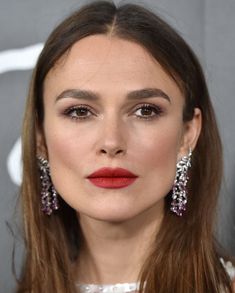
(115, 252)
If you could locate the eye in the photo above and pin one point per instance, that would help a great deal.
(148, 111)
(79, 112)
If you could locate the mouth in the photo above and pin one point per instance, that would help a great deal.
(112, 178)
(112, 182)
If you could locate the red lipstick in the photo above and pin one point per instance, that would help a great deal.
(112, 178)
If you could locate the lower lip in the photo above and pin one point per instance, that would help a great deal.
(112, 182)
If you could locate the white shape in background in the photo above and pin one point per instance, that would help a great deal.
(19, 59)
(12, 60)
(14, 165)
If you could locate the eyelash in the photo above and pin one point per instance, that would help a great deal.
(156, 109)
(70, 112)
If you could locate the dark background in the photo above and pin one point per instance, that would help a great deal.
(208, 25)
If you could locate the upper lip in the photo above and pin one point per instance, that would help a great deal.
(112, 172)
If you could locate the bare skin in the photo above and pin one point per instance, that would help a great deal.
(118, 250)
(118, 225)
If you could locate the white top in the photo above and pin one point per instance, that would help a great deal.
(230, 269)
(117, 288)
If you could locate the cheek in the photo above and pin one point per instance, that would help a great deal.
(159, 147)
(157, 157)
(69, 158)
(67, 148)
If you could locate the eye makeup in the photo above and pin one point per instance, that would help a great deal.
(144, 111)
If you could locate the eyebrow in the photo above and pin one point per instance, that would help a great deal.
(133, 95)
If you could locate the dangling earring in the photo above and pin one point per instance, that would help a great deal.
(179, 191)
(49, 199)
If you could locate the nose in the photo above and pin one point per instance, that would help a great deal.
(112, 140)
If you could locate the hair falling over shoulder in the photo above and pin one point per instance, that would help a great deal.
(185, 255)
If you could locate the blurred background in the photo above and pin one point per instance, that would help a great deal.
(207, 25)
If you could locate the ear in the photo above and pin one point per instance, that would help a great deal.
(191, 132)
(41, 143)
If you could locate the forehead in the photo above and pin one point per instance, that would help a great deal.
(102, 62)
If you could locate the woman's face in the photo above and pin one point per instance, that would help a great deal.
(109, 104)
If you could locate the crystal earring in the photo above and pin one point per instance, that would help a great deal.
(179, 191)
(49, 199)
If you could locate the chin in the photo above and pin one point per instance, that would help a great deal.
(115, 218)
(111, 216)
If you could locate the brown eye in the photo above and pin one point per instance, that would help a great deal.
(79, 112)
(148, 111)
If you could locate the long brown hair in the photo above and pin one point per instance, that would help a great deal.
(185, 256)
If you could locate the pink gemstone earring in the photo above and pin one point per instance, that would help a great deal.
(49, 198)
(179, 191)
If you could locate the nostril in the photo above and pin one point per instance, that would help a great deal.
(112, 152)
(119, 151)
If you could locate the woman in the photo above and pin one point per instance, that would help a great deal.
(122, 160)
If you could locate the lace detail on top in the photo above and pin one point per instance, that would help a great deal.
(230, 269)
(117, 288)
